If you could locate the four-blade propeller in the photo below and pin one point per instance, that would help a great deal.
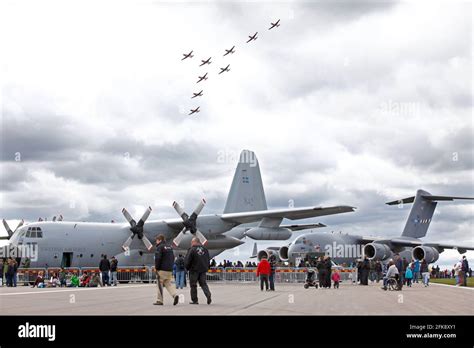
(9, 230)
(189, 223)
(137, 229)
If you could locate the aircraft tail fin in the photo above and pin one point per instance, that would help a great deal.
(246, 193)
(424, 205)
(254, 251)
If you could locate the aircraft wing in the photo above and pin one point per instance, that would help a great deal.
(406, 242)
(303, 226)
(439, 246)
(255, 216)
(290, 213)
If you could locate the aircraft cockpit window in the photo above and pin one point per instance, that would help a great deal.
(34, 232)
(300, 240)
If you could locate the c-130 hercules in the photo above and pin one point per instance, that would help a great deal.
(81, 244)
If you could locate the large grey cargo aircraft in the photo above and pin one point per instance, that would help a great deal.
(81, 244)
(345, 248)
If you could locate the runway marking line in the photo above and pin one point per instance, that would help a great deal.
(256, 303)
(74, 289)
(453, 286)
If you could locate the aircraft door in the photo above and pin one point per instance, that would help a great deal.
(66, 260)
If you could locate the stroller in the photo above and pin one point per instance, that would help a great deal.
(310, 279)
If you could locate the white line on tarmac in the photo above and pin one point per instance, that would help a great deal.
(453, 286)
(74, 289)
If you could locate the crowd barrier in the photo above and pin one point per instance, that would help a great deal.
(127, 274)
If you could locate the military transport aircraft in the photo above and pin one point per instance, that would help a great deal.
(231, 51)
(224, 69)
(345, 248)
(198, 94)
(207, 61)
(252, 37)
(194, 111)
(202, 78)
(81, 244)
(273, 25)
(189, 55)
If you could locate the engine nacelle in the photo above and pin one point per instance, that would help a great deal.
(269, 233)
(267, 253)
(283, 253)
(428, 253)
(377, 251)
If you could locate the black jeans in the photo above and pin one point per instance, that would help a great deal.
(263, 279)
(194, 278)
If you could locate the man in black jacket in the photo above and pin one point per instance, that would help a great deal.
(164, 261)
(328, 266)
(104, 267)
(197, 263)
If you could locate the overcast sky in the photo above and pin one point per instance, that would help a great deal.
(353, 103)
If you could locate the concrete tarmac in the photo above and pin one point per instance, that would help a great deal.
(240, 299)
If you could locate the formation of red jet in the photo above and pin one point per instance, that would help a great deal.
(208, 61)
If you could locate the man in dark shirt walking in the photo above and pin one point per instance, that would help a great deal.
(164, 260)
(197, 263)
(104, 267)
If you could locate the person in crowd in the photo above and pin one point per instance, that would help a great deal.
(26, 263)
(62, 277)
(15, 271)
(336, 278)
(213, 263)
(425, 273)
(359, 269)
(408, 275)
(94, 281)
(54, 281)
(104, 267)
(173, 272)
(39, 280)
(74, 281)
(113, 271)
(364, 270)
(372, 272)
(180, 271)
(271, 277)
(399, 264)
(416, 271)
(464, 270)
(85, 279)
(392, 272)
(378, 271)
(263, 271)
(457, 272)
(328, 266)
(321, 272)
(10, 272)
(164, 261)
(197, 263)
(4, 270)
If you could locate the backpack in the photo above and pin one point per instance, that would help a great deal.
(464, 266)
(180, 263)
